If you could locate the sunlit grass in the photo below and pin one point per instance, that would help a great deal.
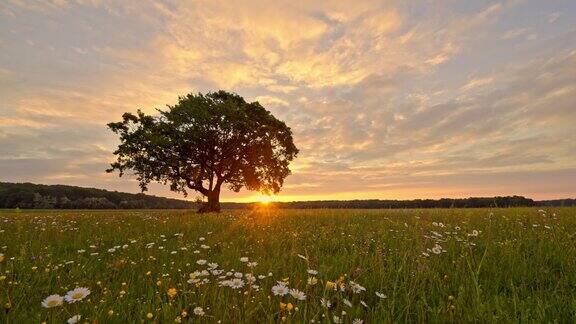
(467, 265)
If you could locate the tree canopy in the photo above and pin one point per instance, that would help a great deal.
(203, 142)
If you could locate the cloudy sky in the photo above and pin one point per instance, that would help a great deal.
(387, 99)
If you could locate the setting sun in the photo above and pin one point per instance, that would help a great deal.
(264, 199)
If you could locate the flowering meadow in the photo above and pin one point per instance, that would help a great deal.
(299, 266)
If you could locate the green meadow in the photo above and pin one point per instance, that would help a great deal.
(293, 266)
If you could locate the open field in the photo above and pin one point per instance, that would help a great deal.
(458, 265)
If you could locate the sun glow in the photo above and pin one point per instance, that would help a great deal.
(263, 199)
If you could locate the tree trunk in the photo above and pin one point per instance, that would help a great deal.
(213, 203)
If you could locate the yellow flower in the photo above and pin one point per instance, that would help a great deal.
(282, 306)
(178, 319)
(330, 285)
(159, 283)
(2, 278)
(172, 292)
(110, 312)
(290, 306)
(149, 315)
(184, 314)
(2, 257)
(148, 273)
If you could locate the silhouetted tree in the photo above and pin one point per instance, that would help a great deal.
(203, 142)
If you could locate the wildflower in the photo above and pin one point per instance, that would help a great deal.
(244, 259)
(110, 312)
(149, 316)
(357, 321)
(52, 301)
(280, 290)
(212, 266)
(252, 264)
(199, 311)
(236, 283)
(2, 257)
(381, 295)
(238, 274)
(312, 272)
(337, 319)
(201, 262)
(250, 278)
(172, 292)
(325, 303)
(437, 249)
(330, 285)
(77, 294)
(347, 302)
(297, 294)
(74, 319)
(312, 281)
(356, 288)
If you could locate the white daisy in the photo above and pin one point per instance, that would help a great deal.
(52, 301)
(300, 295)
(252, 264)
(347, 302)
(236, 283)
(201, 262)
(244, 259)
(381, 295)
(356, 288)
(74, 319)
(77, 294)
(280, 290)
(199, 311)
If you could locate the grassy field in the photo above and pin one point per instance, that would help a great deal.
(375, 266)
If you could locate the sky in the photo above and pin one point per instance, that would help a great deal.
(386, 99)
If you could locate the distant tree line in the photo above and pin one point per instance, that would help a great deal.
(473, 202)
(35, 196)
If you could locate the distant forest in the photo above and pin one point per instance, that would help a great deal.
(36, 196)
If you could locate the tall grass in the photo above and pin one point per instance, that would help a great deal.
(441, 265)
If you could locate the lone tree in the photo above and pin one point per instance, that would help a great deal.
(203, 142)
